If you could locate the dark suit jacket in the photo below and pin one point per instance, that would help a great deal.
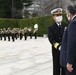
(55, 33)
(68, 47)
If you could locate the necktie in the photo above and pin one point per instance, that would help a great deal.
(60, 26)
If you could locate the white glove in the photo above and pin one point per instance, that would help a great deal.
(59, 48)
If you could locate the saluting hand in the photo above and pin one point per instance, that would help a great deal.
(69, 67)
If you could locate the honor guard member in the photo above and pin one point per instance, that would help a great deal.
(4, 33)
(13, 35)
(16, 33)
(25, 33)
(8, 33)
(30, 32)
(55, 33)
(1, 33)
(21, 34)
(35, 30)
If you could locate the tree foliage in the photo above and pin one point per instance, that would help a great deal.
(6, 8)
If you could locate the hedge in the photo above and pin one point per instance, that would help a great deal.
(4, 23)
(43, 23)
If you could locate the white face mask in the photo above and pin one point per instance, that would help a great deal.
(68, 17)
(58, 18)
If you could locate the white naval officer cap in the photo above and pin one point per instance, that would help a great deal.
(56, 11)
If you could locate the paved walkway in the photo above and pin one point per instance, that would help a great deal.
(30, 57)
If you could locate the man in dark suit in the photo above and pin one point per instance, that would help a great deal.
(55, 33)
(68, 47)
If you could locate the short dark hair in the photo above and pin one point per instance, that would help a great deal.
(72, 9)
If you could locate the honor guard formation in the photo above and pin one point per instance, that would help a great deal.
(15, 33)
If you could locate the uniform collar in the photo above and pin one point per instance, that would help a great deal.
(58, 24)
(73, 17)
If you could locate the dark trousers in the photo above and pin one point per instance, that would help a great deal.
(25, 36)
(21, 36)
(30, 35)
(8, 35)
(1, 36)
(4, 35)
(13, 37)
(35, 34)
(16, 35)
(57, 69)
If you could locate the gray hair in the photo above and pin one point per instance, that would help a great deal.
(72, 9)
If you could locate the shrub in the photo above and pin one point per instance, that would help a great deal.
(43, 23)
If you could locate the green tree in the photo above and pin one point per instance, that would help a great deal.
(12, 8)
(5, 8)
